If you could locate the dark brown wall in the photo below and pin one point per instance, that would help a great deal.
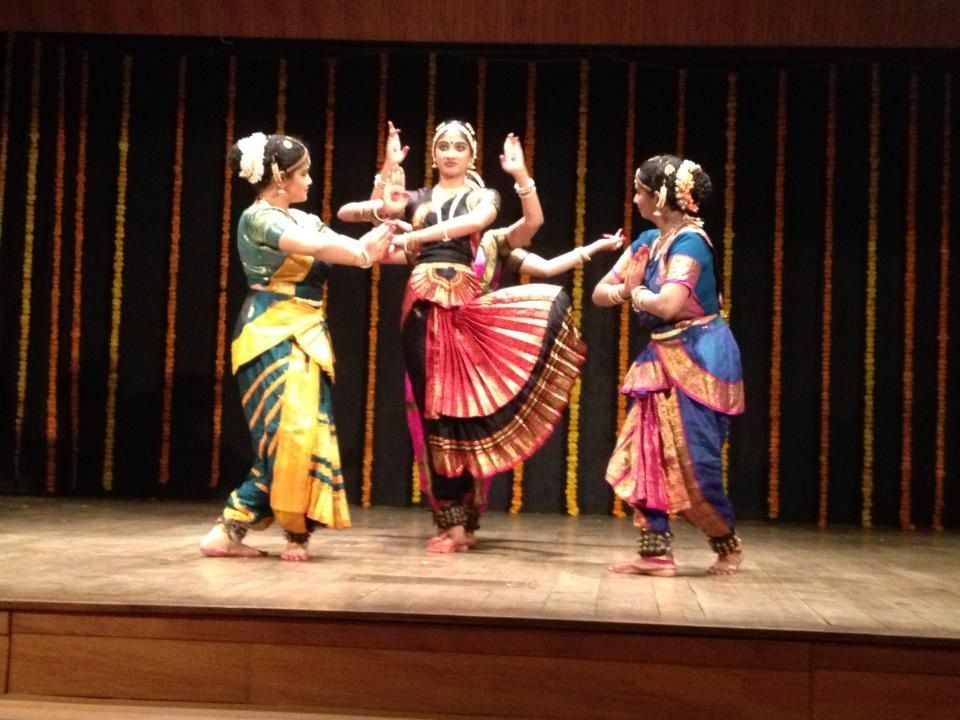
(815, 23)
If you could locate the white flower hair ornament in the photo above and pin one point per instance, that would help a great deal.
(684, 186)
(251, 157)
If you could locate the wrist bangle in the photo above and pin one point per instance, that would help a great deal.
(364, 259)
(376, 216)
(529, 189)
(446, 237)
(379, 182)
(614, 295)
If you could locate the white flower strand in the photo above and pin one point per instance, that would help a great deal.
(251, 157)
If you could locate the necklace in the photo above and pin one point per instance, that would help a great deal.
(664, 239)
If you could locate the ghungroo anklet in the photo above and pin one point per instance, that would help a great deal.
(301, 538)
(450, 516)
(235, 529)
(654, 544)
(726, 544)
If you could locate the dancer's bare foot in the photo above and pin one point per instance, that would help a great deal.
(295, 552)
(451, 540)
(442, 538)
(726, 564)
(656, 566)
(218, 543)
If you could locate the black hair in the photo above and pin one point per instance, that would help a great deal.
(654, 174)
(284, 150)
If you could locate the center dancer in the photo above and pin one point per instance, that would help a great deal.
(490, 373)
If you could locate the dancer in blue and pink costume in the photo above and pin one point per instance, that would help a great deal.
(685, 384)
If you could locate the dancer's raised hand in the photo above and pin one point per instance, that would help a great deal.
(393, 152)
(512, 159)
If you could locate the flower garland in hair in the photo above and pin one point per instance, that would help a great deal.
(116, 301)
(369, 408)
(219, 362)
(282, 97)
(683, 186)
(776, 340)
(57, 255)
(76, 315)
(826, 317)
(681, 111)
(529, 149)
(869, 363)
(173, 268)
(909, 307)
(252, 150)
(573, 427)
(943, 313)
(623, 344)
(481, 109)
(729, 202)
(328, 137)
(26, 289)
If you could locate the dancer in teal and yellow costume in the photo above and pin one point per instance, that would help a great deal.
(282, 355)
(686, 384)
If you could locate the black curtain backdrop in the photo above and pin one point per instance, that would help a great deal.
(667, 80)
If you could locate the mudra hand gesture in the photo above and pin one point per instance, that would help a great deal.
(393, 152)
(512, 159)
(607, 243)
(636, 269)
(394, 192)
(377, 242)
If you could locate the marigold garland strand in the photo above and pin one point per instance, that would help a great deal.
(909, 307)
(776, 339)
(529, 151)
(481, 109)
(623, 345)
(428, 133)
(173, 269)
(573, 427)
(826, 316)
(53, 361)
(369, 409)
(282, 97)
(943, 313)
(427, 182)
(681, 111)
(26, 289)
(5, 122)
(869, 378)
(729, 202)
(328, 138)
(219, 362)
(116, 296)
(76, 304)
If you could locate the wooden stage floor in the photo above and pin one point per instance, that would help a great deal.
(111, 602)
(530, 567)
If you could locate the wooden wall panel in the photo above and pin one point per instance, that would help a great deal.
(816, 23)
(4, 623)
(4, 657)
(391, 680)
(432, 637)
(839, 695)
